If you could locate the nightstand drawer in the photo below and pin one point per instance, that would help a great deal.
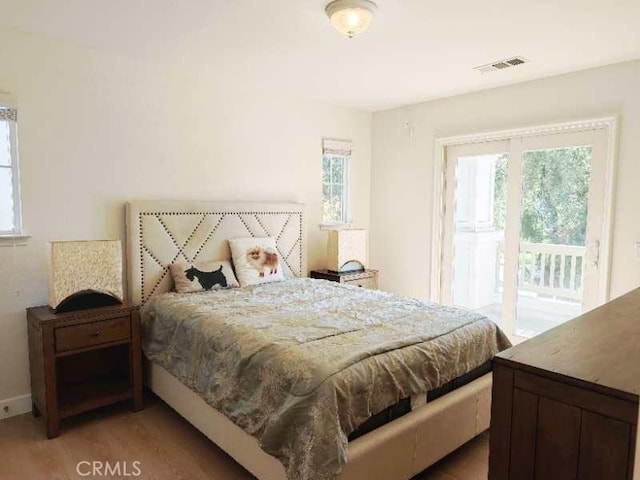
(95, 333)
(369, 282)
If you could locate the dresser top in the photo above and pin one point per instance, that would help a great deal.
(601, 348)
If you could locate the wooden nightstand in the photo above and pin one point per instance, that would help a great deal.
(83, 360)
(365, 279)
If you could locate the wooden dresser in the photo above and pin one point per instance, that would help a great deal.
(364, 278)
(565, 403)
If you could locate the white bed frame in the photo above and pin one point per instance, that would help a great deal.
(161, 232)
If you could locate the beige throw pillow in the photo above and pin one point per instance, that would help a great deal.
(256, 260)
(202, 276)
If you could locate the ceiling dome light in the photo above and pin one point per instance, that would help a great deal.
(351, 17)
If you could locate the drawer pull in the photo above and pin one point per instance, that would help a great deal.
(96, 334)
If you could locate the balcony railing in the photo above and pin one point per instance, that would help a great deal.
(553, 270)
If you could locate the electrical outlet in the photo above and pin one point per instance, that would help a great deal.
(638, 250)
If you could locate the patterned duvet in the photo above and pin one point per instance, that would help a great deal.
(300, 364)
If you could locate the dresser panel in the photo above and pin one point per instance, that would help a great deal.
(524, 435)
(604, 448)
(558, 441)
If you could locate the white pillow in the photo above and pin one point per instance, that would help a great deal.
(202, 276)
(256, 260)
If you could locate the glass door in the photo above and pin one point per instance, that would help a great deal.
(523, 228)
(560, 213)
(476, 180)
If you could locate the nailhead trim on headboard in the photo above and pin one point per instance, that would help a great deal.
(286, 246)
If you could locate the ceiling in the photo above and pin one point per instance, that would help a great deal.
(416, 50)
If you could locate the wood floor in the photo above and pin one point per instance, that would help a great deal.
(166, 445)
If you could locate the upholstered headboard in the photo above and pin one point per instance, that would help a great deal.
(162, 232)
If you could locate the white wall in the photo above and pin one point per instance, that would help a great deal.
(403, 151)
(97, 130)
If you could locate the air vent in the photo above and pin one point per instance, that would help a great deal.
(501, 64)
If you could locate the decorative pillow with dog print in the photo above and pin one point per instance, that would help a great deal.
(256, 260)
(202, 276)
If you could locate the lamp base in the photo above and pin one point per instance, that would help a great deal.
(352, 266)
(85, 300)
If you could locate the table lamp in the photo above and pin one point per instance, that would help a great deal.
(347, 250)
(85, 274)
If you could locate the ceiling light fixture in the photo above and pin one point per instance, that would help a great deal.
(351, 17)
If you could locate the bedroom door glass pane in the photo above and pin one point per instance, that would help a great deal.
(478, 238)
(553, 230)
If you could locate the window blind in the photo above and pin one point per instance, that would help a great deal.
(8, 114)
(331, 146)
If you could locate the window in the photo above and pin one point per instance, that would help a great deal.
(335, 180)
(10, 219)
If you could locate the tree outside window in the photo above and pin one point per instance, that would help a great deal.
(334, 184)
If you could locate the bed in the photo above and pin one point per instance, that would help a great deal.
(160, 233)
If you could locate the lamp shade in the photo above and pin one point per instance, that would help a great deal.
(347, 250)
(81, 267)
(351, 17)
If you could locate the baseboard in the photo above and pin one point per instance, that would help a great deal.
(10, 407)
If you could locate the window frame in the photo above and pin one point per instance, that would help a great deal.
(342, 149)
(17, 231)
(345, 189)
